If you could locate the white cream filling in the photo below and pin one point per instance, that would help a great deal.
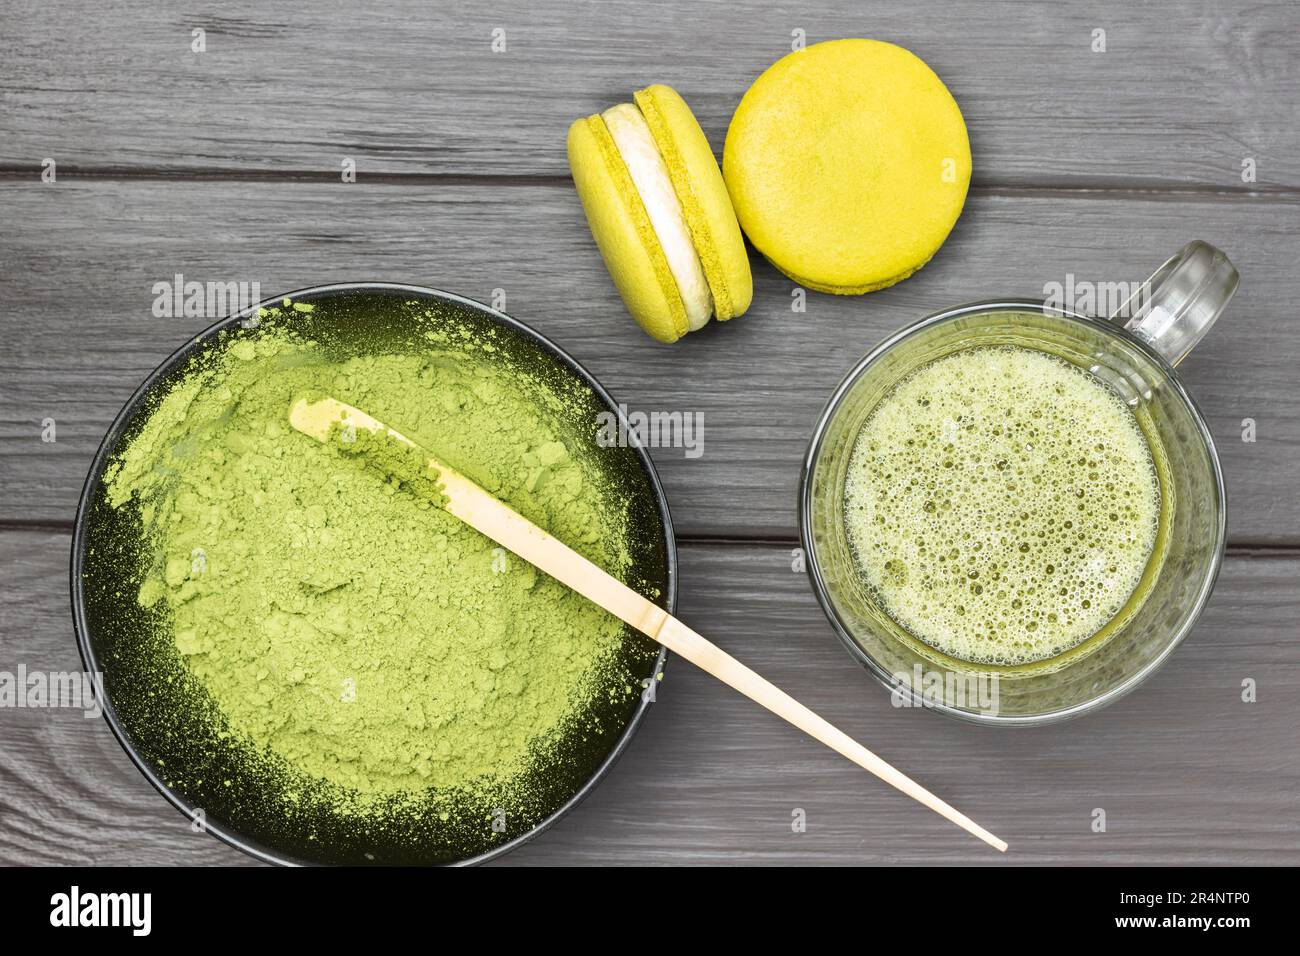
(650, 176)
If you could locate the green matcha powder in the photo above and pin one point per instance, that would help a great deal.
(343, 625)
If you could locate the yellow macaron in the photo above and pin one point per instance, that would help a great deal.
(848, 164)
(660, 213)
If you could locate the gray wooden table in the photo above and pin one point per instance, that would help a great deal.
(225, 164)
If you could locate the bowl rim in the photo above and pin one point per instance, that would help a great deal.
(230, 835)
(806, 540)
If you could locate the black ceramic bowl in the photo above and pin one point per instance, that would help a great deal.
(161, 729)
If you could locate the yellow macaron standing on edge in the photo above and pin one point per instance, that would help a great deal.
(660, 213)
(848, 164)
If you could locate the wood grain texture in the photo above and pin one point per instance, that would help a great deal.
(1183, 93)
(75, 289)
(1186, 771)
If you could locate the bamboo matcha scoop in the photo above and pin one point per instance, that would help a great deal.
(471, 504)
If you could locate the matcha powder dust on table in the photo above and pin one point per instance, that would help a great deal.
(364, 646)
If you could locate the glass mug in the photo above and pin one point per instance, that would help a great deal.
(1135, 356)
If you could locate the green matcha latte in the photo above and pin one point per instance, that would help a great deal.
(1004, 506)
(348, 633)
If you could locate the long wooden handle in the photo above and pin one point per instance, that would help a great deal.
(680, 639)
(493, 518)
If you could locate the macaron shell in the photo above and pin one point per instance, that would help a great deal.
(703, 194)
(848, 164)
(623, 233)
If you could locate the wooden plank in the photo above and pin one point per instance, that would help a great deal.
(76, 281)
(1178, 97)
(711, 779)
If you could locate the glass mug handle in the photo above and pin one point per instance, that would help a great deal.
(1174, 308)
